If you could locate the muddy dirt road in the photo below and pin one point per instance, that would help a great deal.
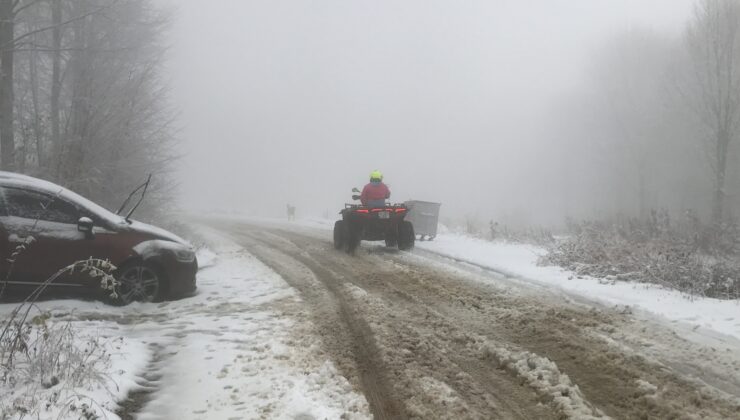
(426, 338)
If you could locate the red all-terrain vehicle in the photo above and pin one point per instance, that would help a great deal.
(373, 224)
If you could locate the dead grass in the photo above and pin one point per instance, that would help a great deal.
(43, 364)
(687, 255)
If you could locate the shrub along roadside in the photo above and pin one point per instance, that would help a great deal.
(689, 256)
(44, 365)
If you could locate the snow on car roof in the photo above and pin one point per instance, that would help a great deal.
(19, 180)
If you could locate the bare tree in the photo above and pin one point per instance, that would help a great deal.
(630, 78)
(56, 82)
(712, 89)
(7, 32)
(10, 43)
(118, 125)
(89, 108)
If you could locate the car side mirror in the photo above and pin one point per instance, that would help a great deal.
(355, 189)
(85, 225)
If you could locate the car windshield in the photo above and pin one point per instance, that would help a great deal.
(97, 209)
(104, 214)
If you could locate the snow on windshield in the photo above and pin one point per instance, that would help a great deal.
(23, 181)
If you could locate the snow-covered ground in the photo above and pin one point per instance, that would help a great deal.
(519, 262)
(244, 346)
(241, 348)
(106, 376)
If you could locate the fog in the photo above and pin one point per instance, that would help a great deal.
(457, 102)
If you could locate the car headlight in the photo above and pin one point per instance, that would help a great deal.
(184, 255)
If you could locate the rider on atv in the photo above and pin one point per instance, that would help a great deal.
(373, 220)
(376, 192)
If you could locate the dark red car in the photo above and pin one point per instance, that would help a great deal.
(152, 263)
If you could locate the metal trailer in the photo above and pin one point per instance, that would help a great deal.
(424, 215)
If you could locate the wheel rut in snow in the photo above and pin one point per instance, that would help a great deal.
(410, 362)
(131, 406)
(339, 321)
(446, 344)
(588, 343)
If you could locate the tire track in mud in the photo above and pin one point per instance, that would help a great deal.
(592, 345)
(418, 371)
(619, 382)
(364, 355)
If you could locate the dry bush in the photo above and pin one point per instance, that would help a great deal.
(696, 258)
(52, 365)
(43, 365)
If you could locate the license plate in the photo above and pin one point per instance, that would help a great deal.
(384, 215)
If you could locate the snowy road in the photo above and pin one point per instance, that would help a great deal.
(284, 326)
(422, 337)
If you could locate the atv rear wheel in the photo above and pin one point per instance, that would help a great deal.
(353, 236)
(340, 236)
(391, 240)
(406, 236)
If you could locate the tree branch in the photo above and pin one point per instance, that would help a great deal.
(18, 10)
(50, 27)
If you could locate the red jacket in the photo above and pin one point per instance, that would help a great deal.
(374, 192)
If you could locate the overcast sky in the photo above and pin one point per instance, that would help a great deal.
(297, 101)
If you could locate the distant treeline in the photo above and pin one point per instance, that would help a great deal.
(656, 125)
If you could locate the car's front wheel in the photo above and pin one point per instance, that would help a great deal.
(138, 282)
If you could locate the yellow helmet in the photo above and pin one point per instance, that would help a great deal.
(376, 174)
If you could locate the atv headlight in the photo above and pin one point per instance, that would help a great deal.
(184, 255)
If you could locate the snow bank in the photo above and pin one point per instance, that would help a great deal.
(520, 262)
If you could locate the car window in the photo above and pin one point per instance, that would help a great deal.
(35, 205)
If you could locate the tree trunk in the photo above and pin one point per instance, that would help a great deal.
(713, 39)
(79, 68)
(7, 140)
(56, 82)
(718, 205)
(642, 189)
(34, 80)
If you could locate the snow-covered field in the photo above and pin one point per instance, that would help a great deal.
(240, 348)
